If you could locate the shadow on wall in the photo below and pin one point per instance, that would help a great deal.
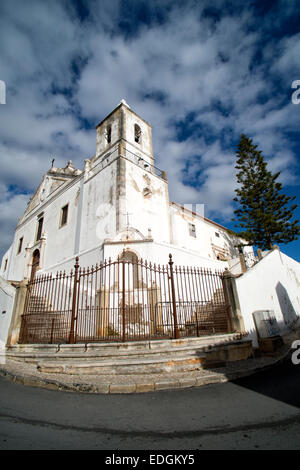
(287, 309)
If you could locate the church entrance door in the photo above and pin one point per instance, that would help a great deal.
(35, 264)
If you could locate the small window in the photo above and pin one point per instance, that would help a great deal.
(192, 230)
(108, 134)
(5, 265)
(217, 234)
(40, 228)
(137, 134)
(64, 215)
(20, 245)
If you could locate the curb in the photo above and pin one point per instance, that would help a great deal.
(133, 388)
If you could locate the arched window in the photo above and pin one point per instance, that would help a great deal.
(137, 134)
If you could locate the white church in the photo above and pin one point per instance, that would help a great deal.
(118, 201)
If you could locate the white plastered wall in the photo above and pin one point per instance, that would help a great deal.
(272, 284)
(7, 297)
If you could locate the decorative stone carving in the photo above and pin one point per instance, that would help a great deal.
(68, 170)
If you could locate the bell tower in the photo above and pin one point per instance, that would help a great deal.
(125, 129)
(132, 189)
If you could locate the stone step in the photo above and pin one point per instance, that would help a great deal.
(139, 357)
(118, 346)
(124, 366)
(185, 346)
(162, 364)
(31, 357)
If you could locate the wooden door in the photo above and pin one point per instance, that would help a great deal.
(35, 264)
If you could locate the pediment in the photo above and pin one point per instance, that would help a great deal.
(54, 179)
(46, 187)
(130, 233)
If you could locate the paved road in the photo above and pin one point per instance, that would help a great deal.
(258, 412)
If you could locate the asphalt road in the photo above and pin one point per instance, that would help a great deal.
(258, 412)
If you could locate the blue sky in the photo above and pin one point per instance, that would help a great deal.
(201, 72)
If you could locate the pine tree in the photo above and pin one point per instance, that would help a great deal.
(264, 213)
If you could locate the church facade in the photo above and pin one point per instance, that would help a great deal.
(118, 201)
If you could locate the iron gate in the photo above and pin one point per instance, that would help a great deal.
(124, 300)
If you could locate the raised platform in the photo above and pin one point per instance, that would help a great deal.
(20, 364)
(142, 357)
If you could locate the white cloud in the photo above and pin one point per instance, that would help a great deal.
(199, 66)
(10, 210)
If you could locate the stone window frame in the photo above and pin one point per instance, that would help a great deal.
(192, 230)
(64, 210)
(20, 245)
(39, 228)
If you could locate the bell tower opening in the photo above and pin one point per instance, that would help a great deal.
(137, 134)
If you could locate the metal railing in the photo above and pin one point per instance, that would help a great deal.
(112, 155)
(123, 300)
(142, 163)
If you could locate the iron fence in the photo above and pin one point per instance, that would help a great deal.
(123, 300)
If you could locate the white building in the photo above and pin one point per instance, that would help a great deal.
(119, 200)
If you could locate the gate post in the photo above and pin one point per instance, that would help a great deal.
(171, 277)
(15, 329)
(72, 332)
(102, 319)
(236, 321)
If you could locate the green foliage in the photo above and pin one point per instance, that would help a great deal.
(264, 213)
